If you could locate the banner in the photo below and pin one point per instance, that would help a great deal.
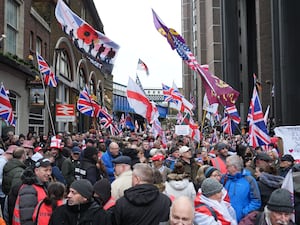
(291, 140)
(182, 129)
(99, 49)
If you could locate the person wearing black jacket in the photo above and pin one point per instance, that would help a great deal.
(80, 207)
(142, 203)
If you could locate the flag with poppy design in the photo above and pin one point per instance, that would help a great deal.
(99, 49)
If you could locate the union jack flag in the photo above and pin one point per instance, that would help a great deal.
(258, 133)
(107, 121)
(49, 77)
(231, 119)
(6, 111)
(171, 94)
(156, 128)
(86, 105)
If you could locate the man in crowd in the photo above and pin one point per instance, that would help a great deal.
(80, 207)
(220, 161)
(31, 192)
(123, 175)
(190, 165)
(108, 156)
(56, 151)
(142, 203)
(242, 188)
(182, 210)
(286, 163)
(71, 166)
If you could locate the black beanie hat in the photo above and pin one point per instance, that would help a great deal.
(280, 201)
(89, 152)
(83, 187)
(103, 189)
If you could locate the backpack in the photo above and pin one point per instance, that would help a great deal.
(212, 211)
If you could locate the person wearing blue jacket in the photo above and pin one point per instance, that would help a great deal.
(112, 152)
(242, 188)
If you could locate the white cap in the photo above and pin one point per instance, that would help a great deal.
(184, 149)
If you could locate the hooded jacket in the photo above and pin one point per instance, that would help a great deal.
(178, 185)
(243, 192)
(267, 183)
(142, 204)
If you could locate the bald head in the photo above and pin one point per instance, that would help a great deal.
(182, 210)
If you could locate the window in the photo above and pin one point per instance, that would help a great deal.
(38, 45)
(92, 85)
(62, 64)
(31, 41)
(12, 26)
(82, 82)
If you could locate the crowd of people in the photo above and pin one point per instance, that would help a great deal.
(92, 178)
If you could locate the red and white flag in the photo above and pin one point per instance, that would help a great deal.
(140, 103)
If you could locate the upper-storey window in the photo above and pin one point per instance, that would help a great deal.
(12, 26)
(63, 64)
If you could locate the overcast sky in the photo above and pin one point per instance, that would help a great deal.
(129, 23)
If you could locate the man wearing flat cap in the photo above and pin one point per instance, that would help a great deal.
(123, 174)
(80, 207)
(279, 209)
(286, 163)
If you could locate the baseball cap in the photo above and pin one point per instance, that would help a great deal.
(184, 149)
(76, 150)
(158, 157)
(44, 162)
(122, 160)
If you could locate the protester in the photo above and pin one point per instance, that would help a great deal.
(242, 188)
(178, 183)
(286, 163)
(182, 211)
(219, 162)
(80, 207)
(71, 167)
(142, 203)
(54, 198)
(278, 211)
(13, 169)
(190, 165)
(32, 191)
(158, 163)
(123, 175)
(112, 152)
(212, 209)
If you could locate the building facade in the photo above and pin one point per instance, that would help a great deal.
(239, 38)
(31, 26)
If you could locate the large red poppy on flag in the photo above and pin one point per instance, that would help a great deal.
(87, 34)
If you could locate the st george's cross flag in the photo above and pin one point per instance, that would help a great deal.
(217, 90)
(49, 77)
(140, 103)
(6, 111)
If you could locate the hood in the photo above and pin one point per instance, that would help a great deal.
(179, 184)
(271, 180)
(141, 194)
(13, 163)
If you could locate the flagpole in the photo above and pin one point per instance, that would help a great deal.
(203, 119)
(47, 104)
